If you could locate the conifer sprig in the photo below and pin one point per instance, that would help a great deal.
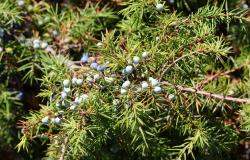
(9, 13)
(138, 81)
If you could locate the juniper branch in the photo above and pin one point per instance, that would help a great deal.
(220, 74)
(166, 67)
(63, 148)
(208, 94)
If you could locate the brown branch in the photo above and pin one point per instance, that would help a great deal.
(220, 74)
(63, 150)
(206, 81)
(166, 67)
(208, 94)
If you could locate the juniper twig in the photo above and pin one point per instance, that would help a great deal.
(208, 94)
(63, 150)
(219, 74)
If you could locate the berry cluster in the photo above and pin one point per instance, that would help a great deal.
(39, 44)
(77, 90)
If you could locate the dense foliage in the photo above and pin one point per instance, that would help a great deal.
(134, 79)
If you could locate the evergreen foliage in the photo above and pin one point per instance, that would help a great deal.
(126, 80)
(9, 108)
